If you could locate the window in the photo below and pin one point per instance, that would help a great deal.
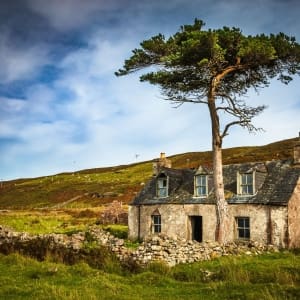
(156, 223)
(162, 186)
(246, 184)
(243, 227)
(200, 185)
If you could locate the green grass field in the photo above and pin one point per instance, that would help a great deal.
(269, 276)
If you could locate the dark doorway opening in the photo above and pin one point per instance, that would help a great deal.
(196, 223)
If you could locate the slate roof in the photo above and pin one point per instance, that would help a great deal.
(275, 182)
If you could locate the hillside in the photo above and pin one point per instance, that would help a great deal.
(95, 187)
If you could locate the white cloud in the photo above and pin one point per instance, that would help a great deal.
(19, 63)
(70, 14)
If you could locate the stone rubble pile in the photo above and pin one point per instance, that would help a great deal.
(172, 251)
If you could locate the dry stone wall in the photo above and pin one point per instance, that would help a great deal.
(74, 248)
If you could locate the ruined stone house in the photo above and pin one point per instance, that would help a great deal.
(263, 202)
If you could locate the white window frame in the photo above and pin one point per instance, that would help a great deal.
(244, 187)
(162, 184)
(243, 232)
(156, 224)
(201, 185)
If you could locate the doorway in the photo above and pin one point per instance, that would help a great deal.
(196, 225)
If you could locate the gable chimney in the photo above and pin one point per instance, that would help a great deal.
(297, 152)
(161, 162)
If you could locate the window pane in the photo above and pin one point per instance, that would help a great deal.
(244, 189)
(247, 233)
(249, 178)
(250, 189)
(158, 228)
(243, 179)
(162, 192)
(162, 183)
(240, 222)
(203, 190)
(246, 222)
(203, 180)
(241, 233)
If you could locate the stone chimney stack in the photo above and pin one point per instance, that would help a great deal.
(297, 152)
(161, 162)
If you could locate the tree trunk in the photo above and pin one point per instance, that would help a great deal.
(222, 228)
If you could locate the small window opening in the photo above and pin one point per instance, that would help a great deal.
(156, 223)
(243, 227)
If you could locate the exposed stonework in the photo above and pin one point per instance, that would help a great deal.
(114, 213)
(154, 248)
(174, 251)
(294, 218)
(268, 223)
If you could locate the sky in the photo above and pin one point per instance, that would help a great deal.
(62, 108)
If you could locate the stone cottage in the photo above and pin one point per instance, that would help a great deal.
(263, 202)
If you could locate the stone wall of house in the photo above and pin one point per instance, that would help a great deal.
(175, 220)
(268, 224)
(294, 218)
(154, 248)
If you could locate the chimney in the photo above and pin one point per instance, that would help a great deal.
(161, 162)
(297, 152)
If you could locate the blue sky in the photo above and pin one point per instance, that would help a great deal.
(62, 108)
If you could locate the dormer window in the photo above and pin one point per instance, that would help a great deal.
(201, 185)
(162, 186)
(245, 184)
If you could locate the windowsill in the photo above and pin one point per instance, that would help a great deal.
(242, 239)
(202, 197)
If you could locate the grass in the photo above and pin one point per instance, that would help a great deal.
(269, 276)
(55, 221)
(119, 231)
(96, 187)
